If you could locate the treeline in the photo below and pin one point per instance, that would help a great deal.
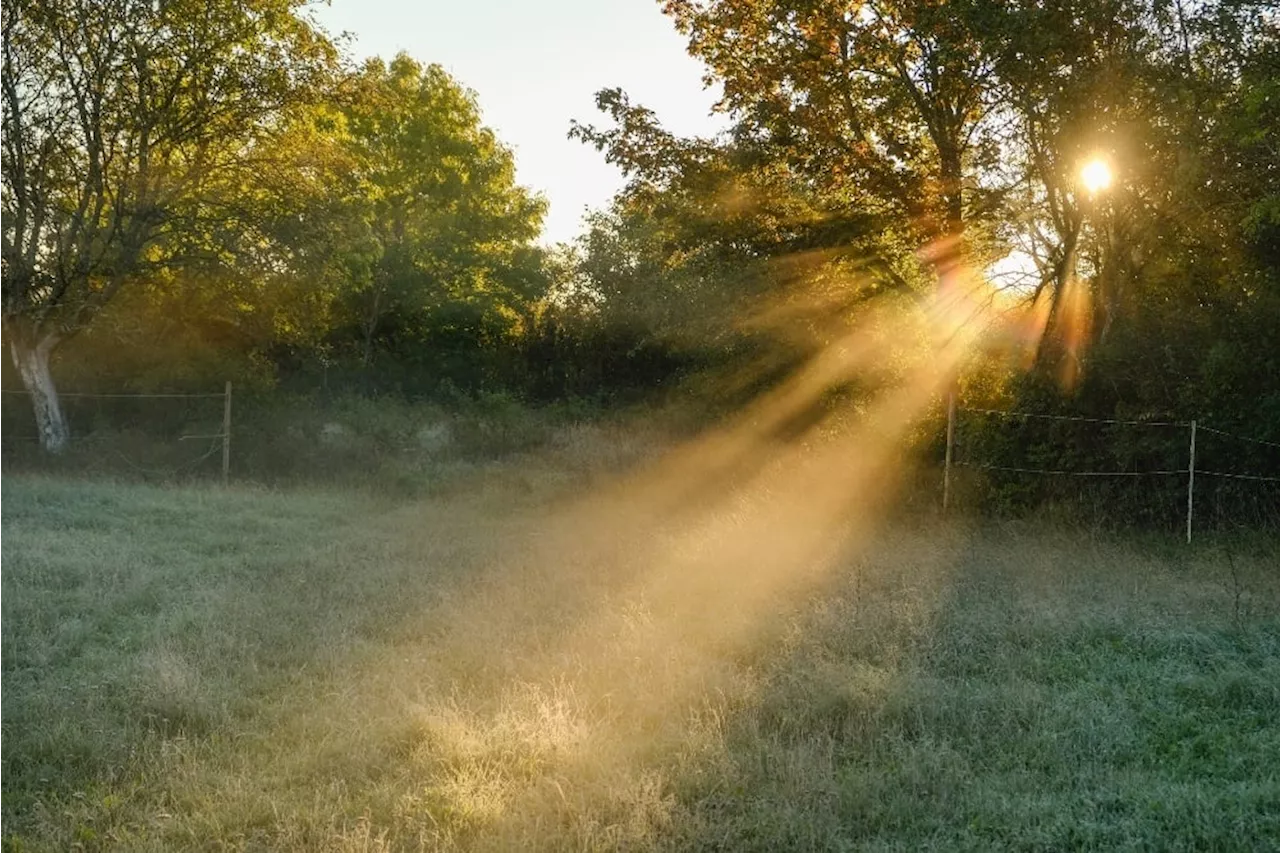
(925, 159)
(202, 192)
(196, 194)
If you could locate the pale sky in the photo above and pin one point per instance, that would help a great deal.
(536, 65)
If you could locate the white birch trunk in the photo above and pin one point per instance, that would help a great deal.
(33, 365)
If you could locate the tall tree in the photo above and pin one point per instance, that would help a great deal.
(128, 127)
(713, 223)
(888, 94)
(1070, 77)
(1145, 85)
(444, 219)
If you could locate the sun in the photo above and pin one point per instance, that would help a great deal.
(1096, 175)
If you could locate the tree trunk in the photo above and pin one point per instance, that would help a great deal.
(371, 327)
(1064, 271)
(33, 365)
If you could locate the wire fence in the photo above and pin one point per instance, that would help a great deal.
(1171, 457)
(1173, 454)
(78, 395)
(171, 444)
(1075, 418)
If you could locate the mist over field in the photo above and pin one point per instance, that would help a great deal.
(897, 469)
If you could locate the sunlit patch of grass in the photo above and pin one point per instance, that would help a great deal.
(492, 669)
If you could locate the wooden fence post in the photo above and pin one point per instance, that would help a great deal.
(1191, 480)
(226, 434)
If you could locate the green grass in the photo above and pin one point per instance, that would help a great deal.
(508, 666)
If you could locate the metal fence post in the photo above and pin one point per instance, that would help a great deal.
(226, 434)
(1191, 480)
(951, 439)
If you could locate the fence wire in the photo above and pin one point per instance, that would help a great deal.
(1008, 414)
(77, 394)
(94, 444)
(1070, 473)
(1128, 452)
(1237, 437)
(1235, 476)
(1200, 427)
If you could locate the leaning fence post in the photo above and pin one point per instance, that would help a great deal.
(226, 434)
(1191, 479)
(951, 439)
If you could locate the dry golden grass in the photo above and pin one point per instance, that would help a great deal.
(717, 651)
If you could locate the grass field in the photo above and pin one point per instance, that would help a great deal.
(531, 662)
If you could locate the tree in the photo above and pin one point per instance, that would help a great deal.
(729, 252)
(1071, 88)
(1174, 299)
(1144, 84)
(890, 96)
(129, 127)
(443, 220)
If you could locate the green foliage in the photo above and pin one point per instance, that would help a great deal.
(363, 231)
(725, 253)
(859, 137)
(130, 131)
(445, 228)
(1182, 292)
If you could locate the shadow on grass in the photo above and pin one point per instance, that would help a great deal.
(1057, 694)
(766, 668)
